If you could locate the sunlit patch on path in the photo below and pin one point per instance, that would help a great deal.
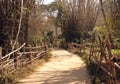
(63, 68)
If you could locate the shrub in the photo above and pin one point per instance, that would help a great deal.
(7, 79)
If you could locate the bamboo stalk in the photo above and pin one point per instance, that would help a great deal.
(19, 27)
(13, 52)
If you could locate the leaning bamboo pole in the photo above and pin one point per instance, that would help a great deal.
(19, 27)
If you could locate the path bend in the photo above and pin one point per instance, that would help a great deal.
(63, 68)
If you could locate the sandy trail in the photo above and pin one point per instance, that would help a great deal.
(63, 68)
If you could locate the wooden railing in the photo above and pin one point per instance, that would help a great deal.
(95, 54)
(16, 59)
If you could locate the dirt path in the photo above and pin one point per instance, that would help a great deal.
(63, 68)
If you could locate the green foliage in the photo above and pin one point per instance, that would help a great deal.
(116, 52)
(60, 42)
(50, 38)
(96, 80)
(113, 16)
(36, 40)
(7, 79)
(102, 31)
(117, 40)
(117, 43)
(117, 26)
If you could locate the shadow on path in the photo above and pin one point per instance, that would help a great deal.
(66, 69)
(62, 77)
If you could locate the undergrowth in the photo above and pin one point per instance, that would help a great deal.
(93, 69)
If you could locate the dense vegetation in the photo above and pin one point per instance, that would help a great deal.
(69, 21)
(59, 23)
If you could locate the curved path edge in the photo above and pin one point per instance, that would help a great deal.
(63, 68)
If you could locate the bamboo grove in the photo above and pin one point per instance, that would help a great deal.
(10, 16)
(77, 18)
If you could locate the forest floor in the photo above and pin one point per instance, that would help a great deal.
(63, 68)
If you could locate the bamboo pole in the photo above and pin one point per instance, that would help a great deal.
(117, 65)
(19, 27)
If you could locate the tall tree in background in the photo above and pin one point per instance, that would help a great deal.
(76, 18)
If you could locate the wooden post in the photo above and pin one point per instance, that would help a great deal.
(46, 51)
(0, 52)
(46, 48)
(113, 73)
(30, 55)
(15, 60)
